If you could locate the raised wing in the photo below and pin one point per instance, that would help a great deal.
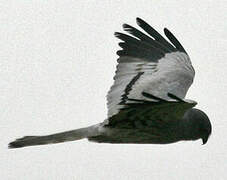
(149, 63)
(154, 114)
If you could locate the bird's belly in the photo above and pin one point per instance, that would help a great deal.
(134, 136)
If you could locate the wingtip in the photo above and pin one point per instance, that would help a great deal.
(120, 53)
(139, 21)
(174, 40)
(122, 45)
(166, 31)
(117, 34)
(126, 27)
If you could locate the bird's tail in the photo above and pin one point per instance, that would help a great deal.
(56, 138)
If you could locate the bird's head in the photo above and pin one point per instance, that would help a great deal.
(200, 124)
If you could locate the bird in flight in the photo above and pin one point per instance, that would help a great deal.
(146, 103)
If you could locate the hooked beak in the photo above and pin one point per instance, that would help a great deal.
(204, 139)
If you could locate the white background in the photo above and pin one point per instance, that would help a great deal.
(57, 61)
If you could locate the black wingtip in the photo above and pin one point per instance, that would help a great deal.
(139, 21)
(174, 40)
(122, 45)
(121, 53)
(167, 32)
(117, 34)
(127, 27)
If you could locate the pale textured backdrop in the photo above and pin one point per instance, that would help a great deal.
(57, 60)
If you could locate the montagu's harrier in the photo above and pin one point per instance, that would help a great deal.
(146, 103)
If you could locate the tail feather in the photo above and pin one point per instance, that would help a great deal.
(55, 138)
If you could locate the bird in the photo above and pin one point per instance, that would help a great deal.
(146, 103)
